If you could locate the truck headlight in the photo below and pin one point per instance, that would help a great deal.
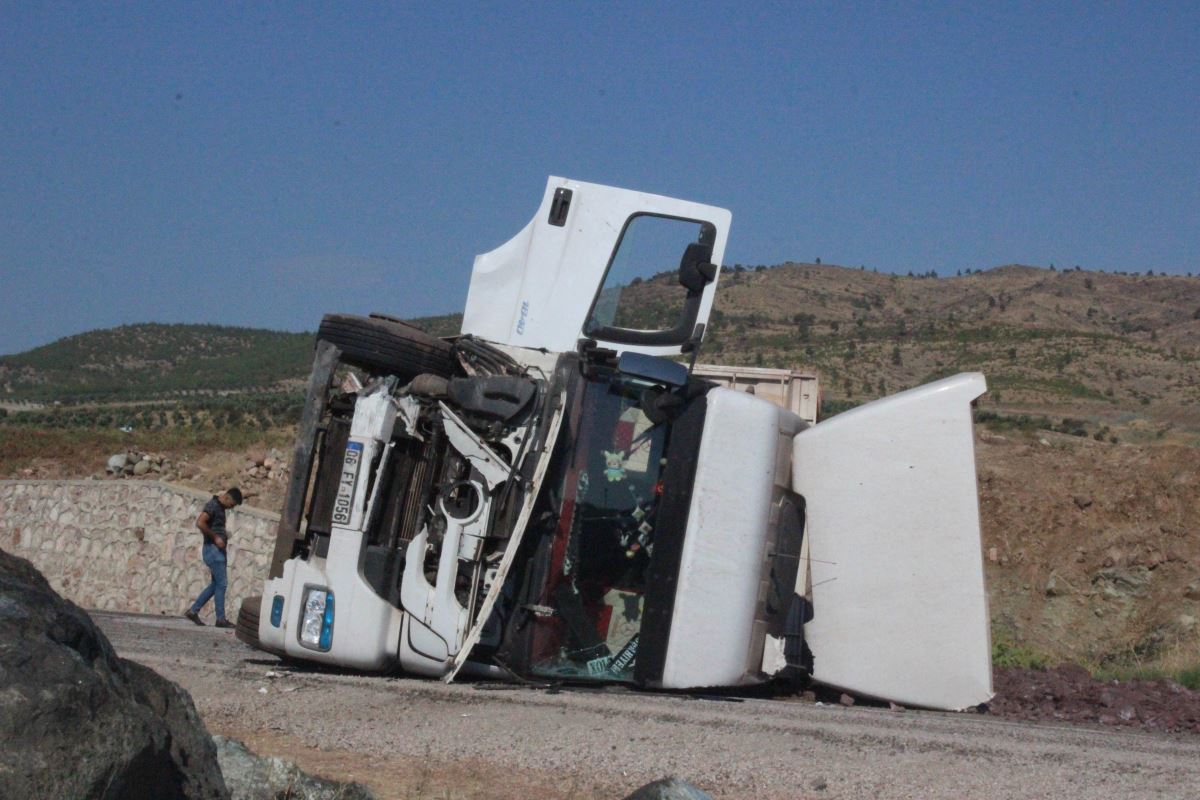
(316, 626)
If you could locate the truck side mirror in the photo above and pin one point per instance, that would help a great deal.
(695, 268)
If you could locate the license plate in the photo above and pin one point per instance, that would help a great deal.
(344, 503)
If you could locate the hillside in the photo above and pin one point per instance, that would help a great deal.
(1102, 345)
(150, 360)
(1099, 349)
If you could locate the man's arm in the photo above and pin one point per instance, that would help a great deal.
(209, 533)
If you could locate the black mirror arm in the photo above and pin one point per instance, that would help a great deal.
(695, 275)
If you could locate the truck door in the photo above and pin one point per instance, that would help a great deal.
(900, 609)
(565, 275)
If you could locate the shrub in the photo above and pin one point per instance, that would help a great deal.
(1007, 653)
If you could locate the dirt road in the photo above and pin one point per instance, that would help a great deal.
(411, 738)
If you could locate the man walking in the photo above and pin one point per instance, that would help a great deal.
(211, 523)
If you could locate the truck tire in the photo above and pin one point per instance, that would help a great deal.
(247, 621)
(387, 345)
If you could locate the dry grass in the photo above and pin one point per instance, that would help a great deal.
(83, 451)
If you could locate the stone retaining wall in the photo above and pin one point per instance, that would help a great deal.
(130, 545)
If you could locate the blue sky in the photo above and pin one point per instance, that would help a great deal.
(260, 165)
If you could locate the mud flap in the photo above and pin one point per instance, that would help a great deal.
(900, 609)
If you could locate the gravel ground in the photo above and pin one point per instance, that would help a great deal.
(408, 738)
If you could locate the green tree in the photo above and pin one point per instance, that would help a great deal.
(804, 323)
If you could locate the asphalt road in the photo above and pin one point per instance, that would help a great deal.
(411, 738)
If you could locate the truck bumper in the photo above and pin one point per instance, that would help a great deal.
(363, 628)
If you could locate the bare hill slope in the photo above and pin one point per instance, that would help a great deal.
(1110, 347)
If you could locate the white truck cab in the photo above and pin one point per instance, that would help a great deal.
(553, 495)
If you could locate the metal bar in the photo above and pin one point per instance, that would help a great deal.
(380, 479)
(324, 363)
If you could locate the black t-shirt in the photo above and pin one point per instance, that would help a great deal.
(216, 517)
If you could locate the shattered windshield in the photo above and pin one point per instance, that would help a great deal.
(609, 491)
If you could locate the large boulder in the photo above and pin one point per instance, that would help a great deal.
(79, 722)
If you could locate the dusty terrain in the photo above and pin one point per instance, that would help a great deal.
(1091, 548)
(410, 738)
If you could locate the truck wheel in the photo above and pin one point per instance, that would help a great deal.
(247, 621)
(386, 345)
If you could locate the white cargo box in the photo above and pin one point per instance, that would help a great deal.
(797, 391)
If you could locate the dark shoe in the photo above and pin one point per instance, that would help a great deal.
(224, 623)
(193, 616)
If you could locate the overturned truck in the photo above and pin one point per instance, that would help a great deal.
(555, 495)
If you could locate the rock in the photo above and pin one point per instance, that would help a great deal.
(141, 467)
(669, 789)
(252, 777)
(1082, 501)
(846, 699)
(77, 721)
(1052, 588)
(116, 463)
(1186, 623)
(1122, 581)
